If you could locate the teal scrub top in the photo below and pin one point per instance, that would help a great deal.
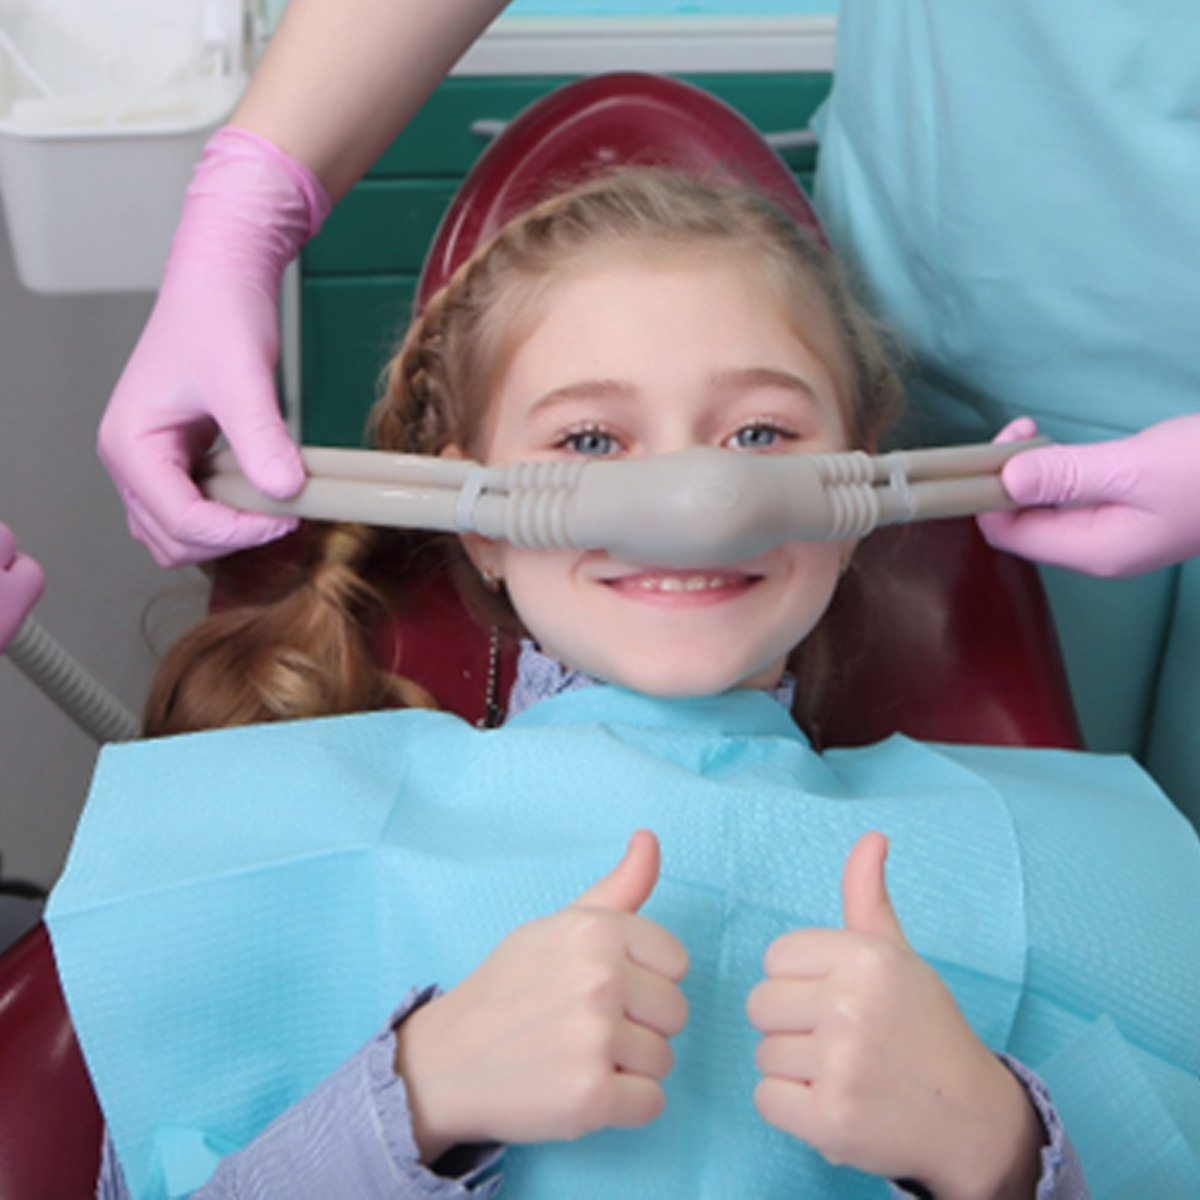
(1015, 184)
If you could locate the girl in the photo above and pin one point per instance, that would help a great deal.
(607, 1026)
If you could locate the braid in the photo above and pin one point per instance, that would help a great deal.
(305, 654)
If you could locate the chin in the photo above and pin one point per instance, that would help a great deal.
(685, 681)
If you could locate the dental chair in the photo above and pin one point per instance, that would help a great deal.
(953, 643)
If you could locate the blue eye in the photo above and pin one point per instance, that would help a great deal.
(593, 442)
(760, 435)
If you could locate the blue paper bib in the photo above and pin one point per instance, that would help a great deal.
(242, 909)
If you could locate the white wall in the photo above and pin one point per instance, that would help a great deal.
(59, 359)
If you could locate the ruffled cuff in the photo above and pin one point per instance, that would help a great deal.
(1061, 1175)
(469, 1170)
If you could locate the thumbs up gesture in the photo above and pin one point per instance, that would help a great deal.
(561, 1031)
(866, 1056)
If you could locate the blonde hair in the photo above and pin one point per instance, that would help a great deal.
(309, 651)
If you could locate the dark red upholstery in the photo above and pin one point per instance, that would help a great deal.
(949, 641)
(953, 641)
(574, 132)
(49, 1123)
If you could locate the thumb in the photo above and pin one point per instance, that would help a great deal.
(1074, 475)
(262, 445)
(866, 905)
(629, 884)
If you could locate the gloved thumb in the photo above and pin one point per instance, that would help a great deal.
(262, 445)
(629, 884)
(1075, 475)
(866, 905)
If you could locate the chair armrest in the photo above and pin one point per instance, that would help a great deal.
(50, 1123)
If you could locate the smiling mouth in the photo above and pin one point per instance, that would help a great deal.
(681, 587)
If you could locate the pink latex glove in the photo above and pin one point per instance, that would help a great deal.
(21, 585)
(1127, 506)
(207, 355)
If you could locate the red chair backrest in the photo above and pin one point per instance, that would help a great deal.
(590, 126)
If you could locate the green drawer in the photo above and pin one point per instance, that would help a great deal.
(387, 222)
(349, 329)
(439, 140)
(383, 226)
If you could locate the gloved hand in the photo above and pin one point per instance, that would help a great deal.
(21, 584)
(1128, 506)
(207, 355)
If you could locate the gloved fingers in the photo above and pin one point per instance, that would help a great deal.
(22, 582)
(1020, 429)
(262, 445)
(165, 509)
(1075, 475)
(27, 577)
(21, 577)
(200, 529)
(1100, 541)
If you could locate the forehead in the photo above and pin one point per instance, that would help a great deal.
(654, 304)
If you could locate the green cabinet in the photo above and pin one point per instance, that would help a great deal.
(358, 276)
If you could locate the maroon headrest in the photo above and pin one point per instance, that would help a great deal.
(580, 129)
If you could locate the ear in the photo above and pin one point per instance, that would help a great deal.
(847, 555)
(484, 553)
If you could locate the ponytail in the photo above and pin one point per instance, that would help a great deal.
(307, 653)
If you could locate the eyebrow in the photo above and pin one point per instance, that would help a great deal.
(584, 389)
(745, 379)
(726, 382)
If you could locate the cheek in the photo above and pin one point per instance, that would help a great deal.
(536, 582)
(816, 568)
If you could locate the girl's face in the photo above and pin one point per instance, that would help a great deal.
(634, 359)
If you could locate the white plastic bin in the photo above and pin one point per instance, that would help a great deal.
(90, 204)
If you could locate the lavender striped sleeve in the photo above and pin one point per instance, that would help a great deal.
(350, 1136)
(1062, 1175)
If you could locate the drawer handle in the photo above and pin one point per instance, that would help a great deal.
(490, 128)
(791, 139)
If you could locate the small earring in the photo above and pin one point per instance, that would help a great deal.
(491, 580)
(847, 562)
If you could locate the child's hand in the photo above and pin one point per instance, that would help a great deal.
(561, 1031)
(867, 1058)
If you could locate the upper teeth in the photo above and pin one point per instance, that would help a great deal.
(680, 583)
